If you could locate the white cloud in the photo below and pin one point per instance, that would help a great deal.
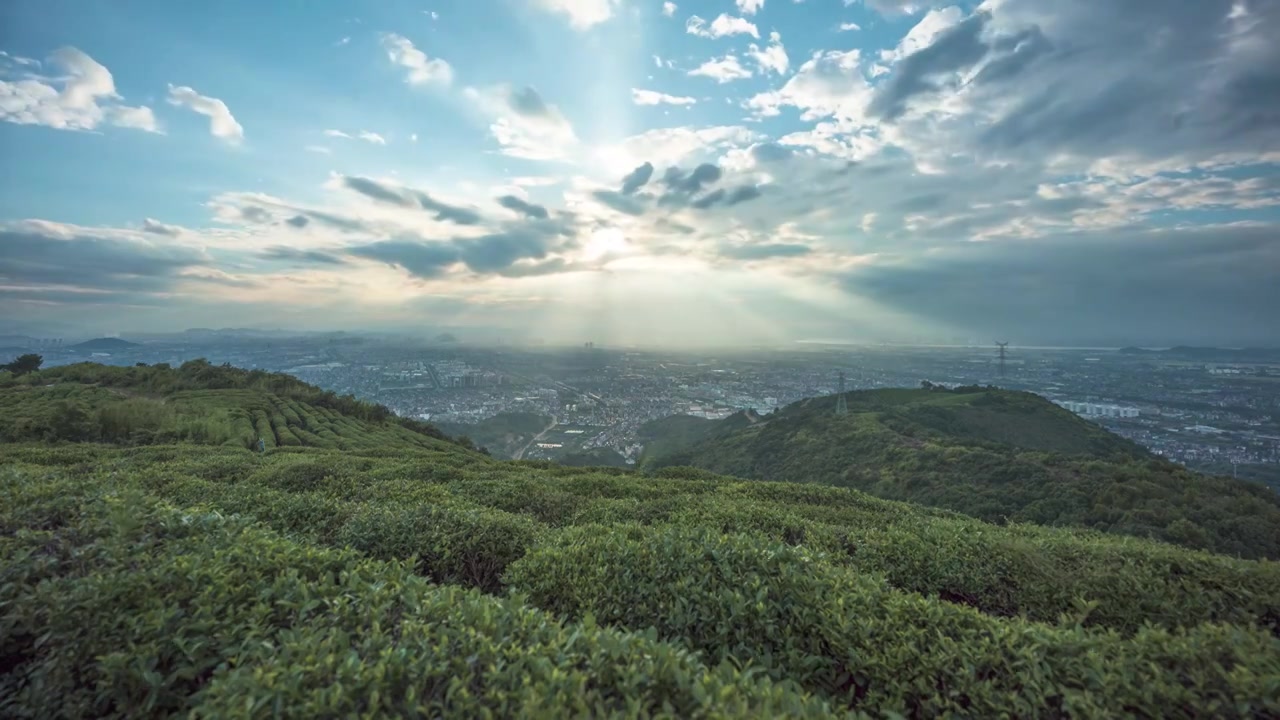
(772, 58)
(750, 7)
(933, 24)
(828, 84)
(343, 41)
(846, 27)
(86, 97)
(668, 9)
(318, 149)
(337, 134)
(582, 14)
(222, 124)
(649, 97)
(673, 146)
(422, 69)
(524, 124)
(722, 26)
(722, 70)
(372, 137)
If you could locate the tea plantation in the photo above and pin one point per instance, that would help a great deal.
(161, 569)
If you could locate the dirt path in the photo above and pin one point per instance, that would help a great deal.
(520, 453)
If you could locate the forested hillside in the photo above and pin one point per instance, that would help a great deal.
(503, 434)
(996, 455)
(400, 578)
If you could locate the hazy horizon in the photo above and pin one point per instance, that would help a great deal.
(704, 173)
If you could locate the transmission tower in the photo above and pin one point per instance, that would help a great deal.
(842, 406)
(1002, 346)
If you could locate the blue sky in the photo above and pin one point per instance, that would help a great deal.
(634, 171)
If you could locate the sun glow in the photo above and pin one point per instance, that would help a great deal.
(606, 241)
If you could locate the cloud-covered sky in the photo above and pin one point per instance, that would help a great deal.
(640, 171)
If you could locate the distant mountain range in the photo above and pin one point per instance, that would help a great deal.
(105, 344)
(997, 455)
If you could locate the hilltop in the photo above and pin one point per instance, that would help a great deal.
(997, 455)
(105, 344)
(385, 571)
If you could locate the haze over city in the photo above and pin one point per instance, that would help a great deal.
(645, 172)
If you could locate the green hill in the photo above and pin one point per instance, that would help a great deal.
(503, 434)
(996, 455)
(415, 577)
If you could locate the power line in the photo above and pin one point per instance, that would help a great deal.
(1002, 346)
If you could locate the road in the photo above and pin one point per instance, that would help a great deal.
(520, 453)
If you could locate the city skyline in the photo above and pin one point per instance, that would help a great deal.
(628, 172)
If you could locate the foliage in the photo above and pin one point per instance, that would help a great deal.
(23, 364)
(857, 640)
(595, 457)
(503, 434)
(169, 572)
(996, 455)
(119, 606)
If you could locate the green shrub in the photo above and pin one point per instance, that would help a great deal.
(140, 610)
(454, 542)
(856, 639)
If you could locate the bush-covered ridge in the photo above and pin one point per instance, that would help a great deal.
(213, 581)
(996, 455)
(196, 402)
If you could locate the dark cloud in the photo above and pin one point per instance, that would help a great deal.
(922, 203)
(498, 251)
(409, 197)
(704, 174)
(377, 191)
(1178, 83)
(445, 211)
(742, 194)
(546, 267)
(708, 200)
(618, 201)
(765, 250)
(770, 152)
(526, 101)
(155, 227)
(338, 222)
(637, 178)
(255, 214)
(291, 254)
(511, 202)
(425, 260)
(956, 48)
(298, 221)
(32, 256)
(1212, 285)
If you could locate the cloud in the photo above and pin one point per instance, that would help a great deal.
(410, 197)
(582, 14)
(637, 178)
(524, 124)
(764, 251)
(749, 7)
(424, 260)
(925, 32)
(298, 221)
(285, 253)
(528, 209)
(44, 254)
(668, 9)
(650, 97)
(372, 137)
(828, 84)
(81, 97)
(722, 26)
(222, 124)
(679, 181)
(318, 149)
(772, 58)
(955, 48)
(722, 70)
(901, 7)
(621, 202)
(423, 70)
(849, 26)
(155, 227)
(1137, 285)
(337, 134)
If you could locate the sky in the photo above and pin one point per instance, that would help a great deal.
(694, 173)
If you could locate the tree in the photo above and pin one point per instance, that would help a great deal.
(24, 364)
